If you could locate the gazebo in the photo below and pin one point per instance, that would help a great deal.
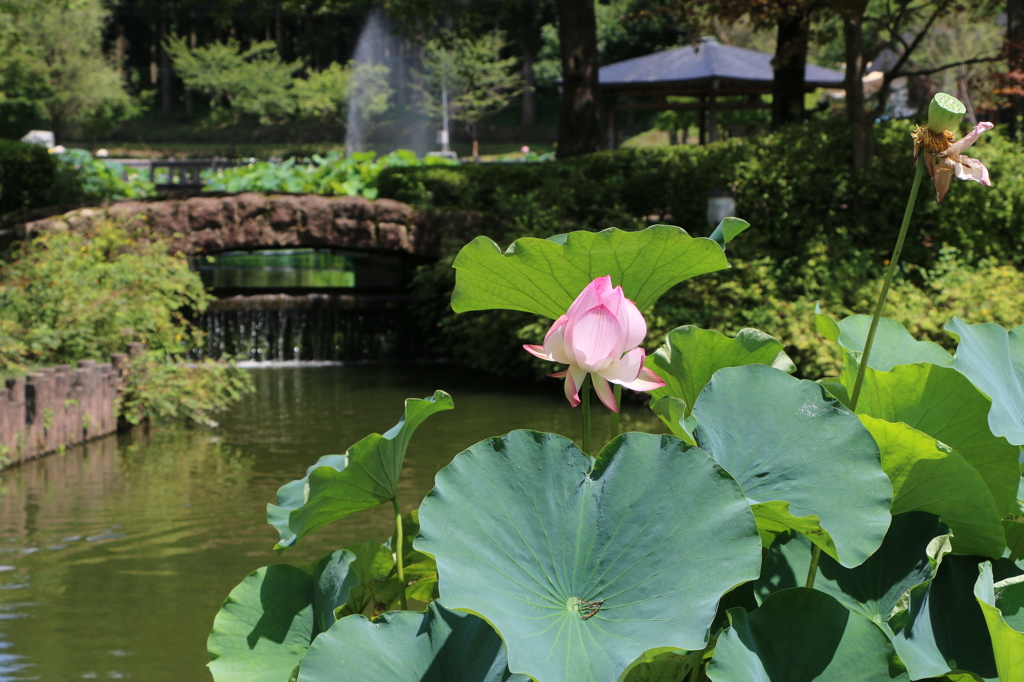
(705, 71)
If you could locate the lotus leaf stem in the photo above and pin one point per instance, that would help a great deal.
(812, 572)
(399, 553)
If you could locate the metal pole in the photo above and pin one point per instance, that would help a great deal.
(444, 112)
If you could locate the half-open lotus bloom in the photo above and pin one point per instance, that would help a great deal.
(599, 335)
(944, 157)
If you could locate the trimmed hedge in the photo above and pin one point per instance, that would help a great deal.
(820, 232)
(795, 187)
(28, 174)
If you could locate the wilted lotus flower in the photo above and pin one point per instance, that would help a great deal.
(599, 335)
(937, 139)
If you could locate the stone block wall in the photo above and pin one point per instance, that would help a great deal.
(60, 406)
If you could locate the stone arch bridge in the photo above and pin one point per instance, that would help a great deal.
(253, 221)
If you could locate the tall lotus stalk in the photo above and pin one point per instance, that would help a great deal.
(943, 158)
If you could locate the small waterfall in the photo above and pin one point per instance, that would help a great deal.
(312, 327)
(407, 128)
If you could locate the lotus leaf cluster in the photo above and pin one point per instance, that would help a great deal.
(776, 531)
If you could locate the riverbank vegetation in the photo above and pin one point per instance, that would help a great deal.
(75, 295)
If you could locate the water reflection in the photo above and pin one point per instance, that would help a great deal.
(114, 557)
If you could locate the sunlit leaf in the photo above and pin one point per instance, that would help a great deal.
(544, 276)
(942, 403)
(581, 565)
(269, 620)
(993, 359)
(930, 476)
(690, 356)
(727, 230)
(340, 485)
(805, 635)
(436, 646)
(893, 344)
(1002, 605)
(794, 450)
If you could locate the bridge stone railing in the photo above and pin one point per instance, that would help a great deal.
(213, 224)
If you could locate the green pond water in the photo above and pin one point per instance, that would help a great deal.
(115, 556)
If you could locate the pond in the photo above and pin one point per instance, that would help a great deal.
(115, 556)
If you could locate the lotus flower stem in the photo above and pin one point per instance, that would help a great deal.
(617, 390)
(399, 552)
(879, 305)
(812, 572)
(889, 274)
(585, 407)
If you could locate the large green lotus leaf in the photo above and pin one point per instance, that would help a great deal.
(802, 458)
(872, 589)
(893, 344)
(1014, 531)
(930, 476)
(668, 666)
(374, 564)
(406, 646)
(802, 635)
(941, 402)
(690, 356)
(944, 630)
(544, 276)
(993, 359)
(727, 230)
(1002, 605)
(269, 620)
(676, 416)
(582, 566)
(340, 485)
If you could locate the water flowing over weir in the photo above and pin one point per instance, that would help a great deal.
(312, 327)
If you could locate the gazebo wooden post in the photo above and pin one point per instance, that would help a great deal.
(712, 113)
(702, 122)
(613, 123)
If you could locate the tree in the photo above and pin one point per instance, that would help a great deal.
(52, 65)
(471, 71)
(579, 121)
(327, 95)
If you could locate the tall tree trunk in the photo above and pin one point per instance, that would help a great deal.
(166, 92)
(529, 88)
(1015, 58)
(579, 123)
(857, 119)
(789, 66)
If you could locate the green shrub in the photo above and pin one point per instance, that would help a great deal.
(93, 179)
(27, 176)
(68, 296)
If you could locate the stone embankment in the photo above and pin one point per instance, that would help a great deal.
(213, 224)
(60, 406)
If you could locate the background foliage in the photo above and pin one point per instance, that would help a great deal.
(67, 296)
(821, 232)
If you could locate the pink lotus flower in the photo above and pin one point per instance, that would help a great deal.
(599, 335)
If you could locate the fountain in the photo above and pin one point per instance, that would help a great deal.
(406, 127)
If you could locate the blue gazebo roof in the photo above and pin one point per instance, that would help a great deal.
(694, 68)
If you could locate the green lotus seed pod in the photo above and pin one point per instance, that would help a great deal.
(945, 112)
